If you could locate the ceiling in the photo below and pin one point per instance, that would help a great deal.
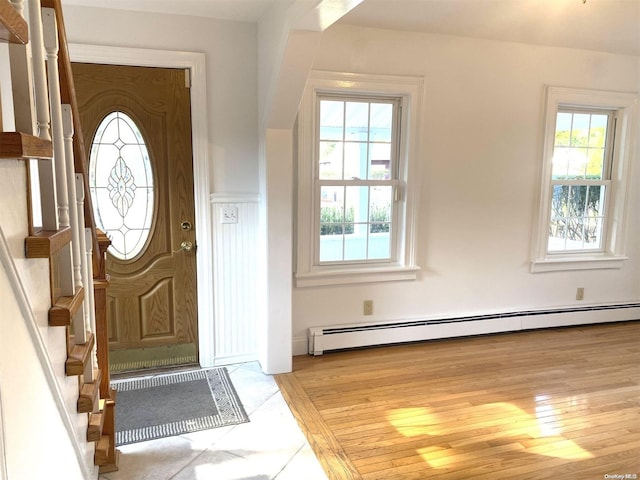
(603, 25)
(238, 10)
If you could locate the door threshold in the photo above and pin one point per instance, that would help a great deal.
(143, 372)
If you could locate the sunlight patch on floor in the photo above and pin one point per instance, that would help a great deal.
(485, 422)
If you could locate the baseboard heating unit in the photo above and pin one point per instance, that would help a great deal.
(338, 337)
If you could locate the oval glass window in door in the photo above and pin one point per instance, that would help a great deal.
(121, 185)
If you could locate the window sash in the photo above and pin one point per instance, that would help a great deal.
(365, 256)
(604, 182)
(623, 107)
(602, 222)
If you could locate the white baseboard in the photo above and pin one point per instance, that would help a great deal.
(336, 337)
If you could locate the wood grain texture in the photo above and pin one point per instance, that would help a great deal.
(79, 355)
(152, 298)
(559, 403)
(13, 28)
(45, 243)
(65, 308)
(16, 145)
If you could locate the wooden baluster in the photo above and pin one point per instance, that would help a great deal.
(50, 35)
(22, 82)
(90, 294)
(40, 75)
(77, 231)
(29, 80)
(87, 266)
(46, 169)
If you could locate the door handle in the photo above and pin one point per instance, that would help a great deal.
(186, 246)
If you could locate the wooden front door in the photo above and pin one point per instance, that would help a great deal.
(129, 115)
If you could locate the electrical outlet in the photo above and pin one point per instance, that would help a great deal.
(580, 293)
(367, 308)
(228, 214)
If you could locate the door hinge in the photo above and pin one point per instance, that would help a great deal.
(187, 78)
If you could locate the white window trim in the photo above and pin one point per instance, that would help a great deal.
(612, 255)
(410, 91)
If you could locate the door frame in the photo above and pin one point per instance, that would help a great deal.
(195, 62)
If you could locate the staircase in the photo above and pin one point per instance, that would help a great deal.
(60, 224)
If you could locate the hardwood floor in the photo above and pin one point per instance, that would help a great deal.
(561, 403)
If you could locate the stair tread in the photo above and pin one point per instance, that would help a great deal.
(13, 28)
(89, 397)
(103, 445)
(65, 308)
(17, 145)
(79, 356)
(45, 243)
(94, 430)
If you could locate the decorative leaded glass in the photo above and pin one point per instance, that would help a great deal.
(121, 184)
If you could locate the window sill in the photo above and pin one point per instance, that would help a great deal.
(345, 276)
(577, 262)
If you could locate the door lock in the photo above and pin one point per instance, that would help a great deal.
(186, 225)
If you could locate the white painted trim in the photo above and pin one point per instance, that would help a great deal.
(234, 198)
(381, 333)
(20, 295)
(300, 346)
(625, 104)
(410, 89)
(200, 139)
(233, 359)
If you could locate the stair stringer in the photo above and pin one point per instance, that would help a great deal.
(36, 389)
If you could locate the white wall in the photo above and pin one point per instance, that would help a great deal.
(232, 85)
(36, 444)
(480, 173)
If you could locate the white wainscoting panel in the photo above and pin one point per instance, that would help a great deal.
(235, 236)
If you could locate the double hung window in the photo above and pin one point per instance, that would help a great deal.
(356, 179)
(357, 144)
(588, 140)
(580, 179)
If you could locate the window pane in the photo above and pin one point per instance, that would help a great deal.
(357, 121)
(557, 234)
(580, 130)
(355, 160)
(355, 245)
(580, 146)
(330, 160)
(357, 200)
(379, 245)
(355, 219)
(331, 120)
(595, 165)
(576, 205)
(121, 184)
(563, 129)
(380, 162)
(381, 122)
(380, 206)
(332, 205)
(598, 132)
(331, 247)
(380, 226)
(577, 217)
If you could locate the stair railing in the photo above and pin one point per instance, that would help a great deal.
(45, 106)
(96, 242)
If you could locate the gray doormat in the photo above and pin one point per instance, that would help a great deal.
(174, 404)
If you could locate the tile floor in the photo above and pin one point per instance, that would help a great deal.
(269, 447)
